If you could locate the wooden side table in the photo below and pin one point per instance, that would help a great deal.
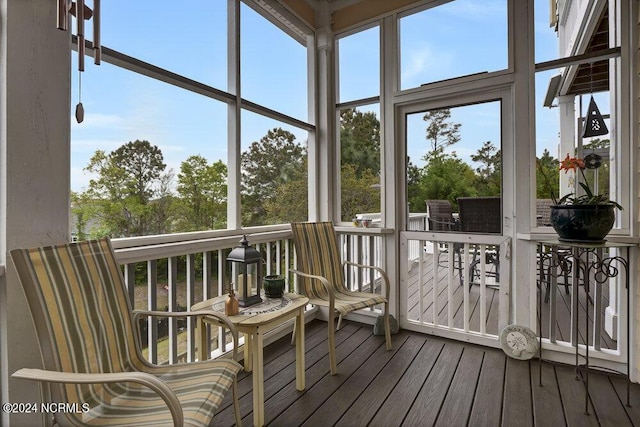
(254, 322)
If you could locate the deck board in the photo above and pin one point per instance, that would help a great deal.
(518, 395)
(459, 397)
(546, 398)
(340, 401)
(405, 393)
(424, 380)
(363, 410)
(486, 412)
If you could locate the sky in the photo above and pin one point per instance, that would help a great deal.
(459, 38)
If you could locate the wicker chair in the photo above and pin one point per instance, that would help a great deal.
(481, 215)
(90, 346)
(543, 212)
(321, 271)
(440, 216)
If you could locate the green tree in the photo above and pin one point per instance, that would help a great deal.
(415, 192)
(360, 140)
(359, 193)
(269, 163)
(142, 165)
(127, 179)
(547, 176)
(440, 132)
(203, 194)
(489, 175)
(163, 205)
(79, 218)
(290, 200)
(447, 177)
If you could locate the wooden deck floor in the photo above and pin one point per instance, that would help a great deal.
(424, 381)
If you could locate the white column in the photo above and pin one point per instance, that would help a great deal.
(34, 171)
(567, 111)
(234, 220)
(392, 158)
(324, 166)
(517, 197)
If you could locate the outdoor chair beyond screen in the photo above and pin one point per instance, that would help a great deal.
(440, 218)
(543, 212)
(89, 345)
(322, 277)
(481, 215)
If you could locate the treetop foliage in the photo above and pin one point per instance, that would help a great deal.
(131, 192)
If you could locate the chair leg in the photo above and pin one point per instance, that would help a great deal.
(459, 266)
(339, 322)
(332, 342)
(236, 405)
(387, 326)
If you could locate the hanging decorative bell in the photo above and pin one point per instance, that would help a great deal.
(593, 122)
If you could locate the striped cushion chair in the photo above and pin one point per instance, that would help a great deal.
(89, 346)
(321, 270)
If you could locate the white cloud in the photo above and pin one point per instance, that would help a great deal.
(416, 63)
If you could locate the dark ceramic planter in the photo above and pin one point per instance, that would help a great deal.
(273, 286)
(582, 223)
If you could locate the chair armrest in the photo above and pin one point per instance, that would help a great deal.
(220, 318)
(148, 380)
(383, 273)
(325, 283)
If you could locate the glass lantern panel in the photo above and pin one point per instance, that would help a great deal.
(252, 271)
(238, 273)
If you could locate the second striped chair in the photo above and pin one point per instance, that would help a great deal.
(320, 267)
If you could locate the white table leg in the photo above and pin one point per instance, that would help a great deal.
(258, 379)
(300, 374)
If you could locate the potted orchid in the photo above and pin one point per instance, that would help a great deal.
(585, 217)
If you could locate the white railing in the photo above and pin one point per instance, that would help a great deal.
(366, 249)
(173, 272)
(417, 222)
(459, 287)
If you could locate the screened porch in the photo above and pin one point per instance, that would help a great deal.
(259, 113)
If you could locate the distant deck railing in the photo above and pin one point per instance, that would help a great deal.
(175, 271)
(457, 286)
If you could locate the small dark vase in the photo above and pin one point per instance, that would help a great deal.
(273, 286)
(582, 223)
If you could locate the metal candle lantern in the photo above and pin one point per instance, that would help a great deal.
(246, 272)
